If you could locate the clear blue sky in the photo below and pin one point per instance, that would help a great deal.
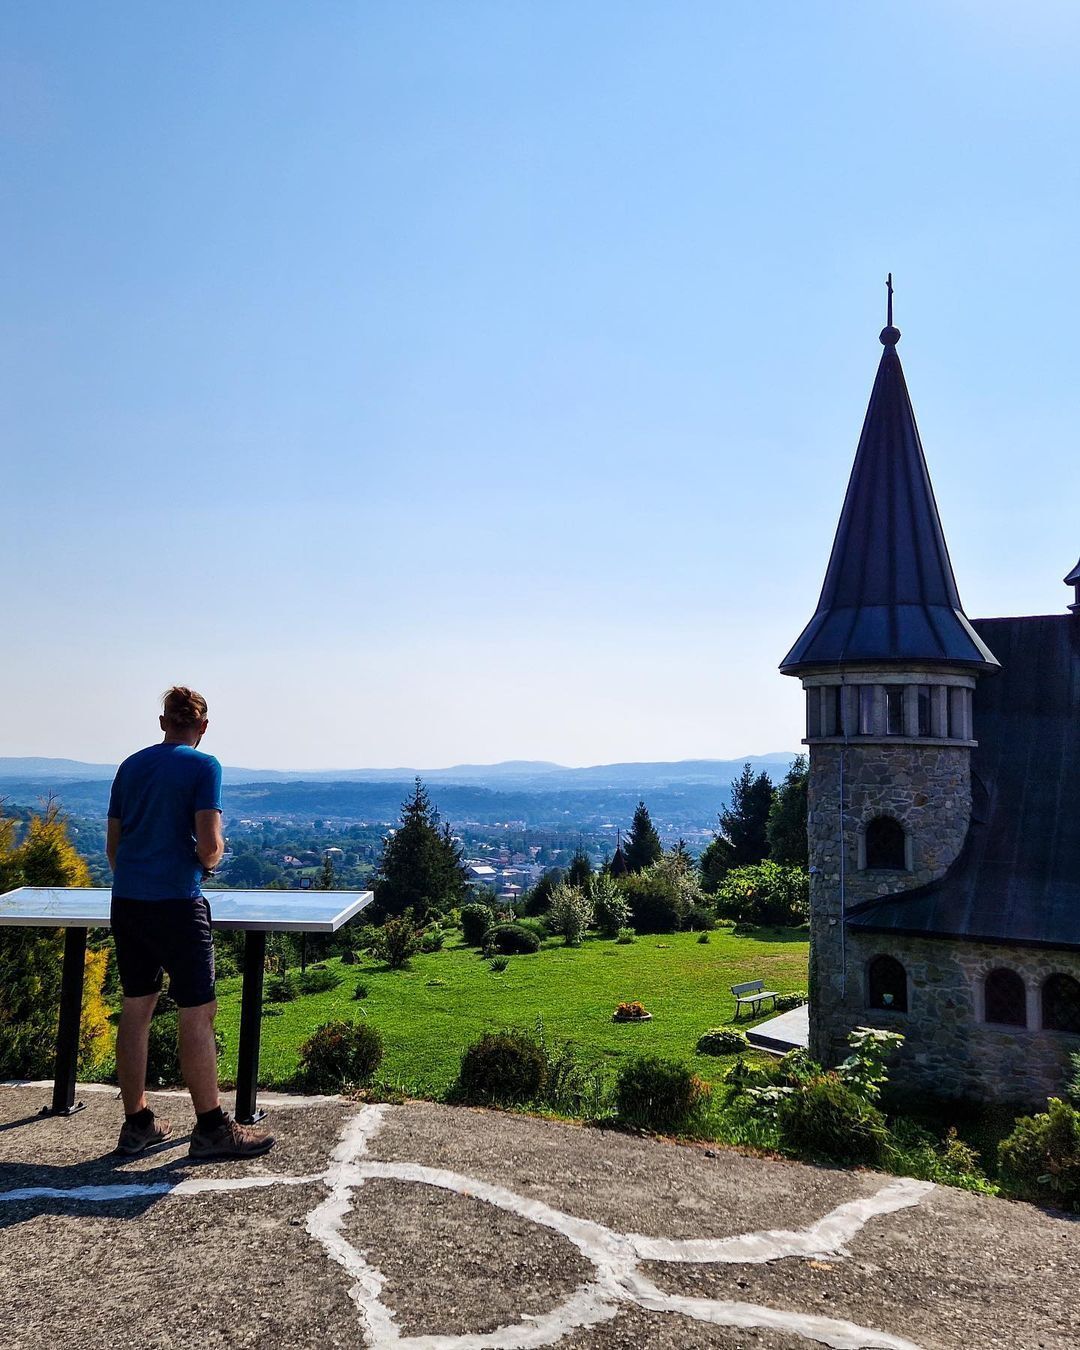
(442, 381)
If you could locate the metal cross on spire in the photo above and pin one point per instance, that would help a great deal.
(888, 287)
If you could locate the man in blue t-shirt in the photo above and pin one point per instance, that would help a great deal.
(164, 837)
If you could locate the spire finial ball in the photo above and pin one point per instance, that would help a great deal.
(890, 336)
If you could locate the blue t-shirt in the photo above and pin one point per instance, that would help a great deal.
(155, 795)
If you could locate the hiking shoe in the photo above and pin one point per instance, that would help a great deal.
(134, 1138)
(229, 1140)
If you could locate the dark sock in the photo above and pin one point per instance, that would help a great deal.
(141, 1118)
(210, 1120)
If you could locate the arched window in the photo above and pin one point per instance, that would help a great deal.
(887, 984)
(1006, 998)
(1061, 1004)
(886, 844)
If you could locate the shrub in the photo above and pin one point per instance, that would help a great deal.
(340, 1054)
(915, 1152)
(361, 990)
(510, 939)
(317, 980)
(538, 900)
(1041, 1158)
(657, 903)
(537, 927)
(704, 939)
(1072, 1088)
(864, 1069)
(827, 1118)
(507, 1067)
(659, 1094)
(626, 937)
(475, 921)
(163, 1050)
(280, 988)
(766, 893)
(570, 914)
(499, 963)
(722, 1041)
(348, 957)
(785, 1002)
(699, 919)
(610, 907)
(432, 940)
(396, 942)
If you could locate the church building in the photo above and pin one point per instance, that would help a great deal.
(944, 796)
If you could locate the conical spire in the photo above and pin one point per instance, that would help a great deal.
(1073, 579)
(889, 592)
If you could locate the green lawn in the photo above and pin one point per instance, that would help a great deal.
(431, 1012)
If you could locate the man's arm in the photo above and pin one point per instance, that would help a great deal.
(112, 841)
(209, 841)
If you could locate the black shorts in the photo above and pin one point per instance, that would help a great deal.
(153, 936)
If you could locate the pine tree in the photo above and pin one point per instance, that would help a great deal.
(786, 828)
(420, 867)
(580, 872)
(717, 860)
(743, 824)
(643, 847)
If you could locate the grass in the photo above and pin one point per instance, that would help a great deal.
(431, 1012)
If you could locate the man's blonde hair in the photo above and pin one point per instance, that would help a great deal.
(183, 707)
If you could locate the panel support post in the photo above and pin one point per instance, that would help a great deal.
(247, 1064)
(67, 1034)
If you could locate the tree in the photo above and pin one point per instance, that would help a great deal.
(768, 893)
(571, 913)
(643, 846)
(420, 867)
(717, 860)
(326, 879)
(31, 959)
(786, 827)
(580, 871)
(743, 824)
(538, 900)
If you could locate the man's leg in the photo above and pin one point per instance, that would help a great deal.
(198, 1055)
(132, 1037)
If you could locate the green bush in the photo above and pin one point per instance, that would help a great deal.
(280, 988)
(361, 990)
(704, 939)
(317, 980)
(828, 1119)
(163, 1050)
(722, 1041)
(1072, 1088)
(700, 919)
(432, 940)
(340, 1054)
(767, 893)
(396, 942)
(657, 904)
(611, 908)
(570, 914)
(785, 1002)
(626, 937)
(506, 1067)
(510, 939)
(915, 1152)
(475, 921)
(499, 963)
(1041, 1158)
(659, 1094)
(348, 957)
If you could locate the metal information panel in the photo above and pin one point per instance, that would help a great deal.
(252, 911)
(255, 913)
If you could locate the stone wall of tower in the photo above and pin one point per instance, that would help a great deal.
(927, 788)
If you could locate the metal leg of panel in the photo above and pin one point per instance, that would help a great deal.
(247, 1065)
(67, 1035)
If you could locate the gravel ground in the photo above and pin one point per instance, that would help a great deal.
(346, 1240)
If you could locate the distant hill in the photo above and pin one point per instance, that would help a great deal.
(525, 775)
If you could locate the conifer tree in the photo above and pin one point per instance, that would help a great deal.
(786, 826)
(643, 847)
(580, 872)
(420, 868)
(717, 860)
(743, 824)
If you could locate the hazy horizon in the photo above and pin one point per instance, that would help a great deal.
(433, 383)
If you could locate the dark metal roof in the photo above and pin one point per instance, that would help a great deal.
(1017, 879)
(1073, 578)
(889, 592)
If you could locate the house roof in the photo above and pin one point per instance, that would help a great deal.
(889, 594)
(1017, 878)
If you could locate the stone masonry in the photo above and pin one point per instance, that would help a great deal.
(927, 788)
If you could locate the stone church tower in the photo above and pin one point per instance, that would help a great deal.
(889, 663)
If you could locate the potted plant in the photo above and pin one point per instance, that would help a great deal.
(631, 1012)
